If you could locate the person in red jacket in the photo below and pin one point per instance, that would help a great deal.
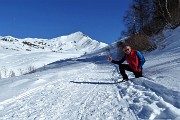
(135, 62)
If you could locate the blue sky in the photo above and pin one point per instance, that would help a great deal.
(99, 19)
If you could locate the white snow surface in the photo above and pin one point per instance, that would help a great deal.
(69, 86)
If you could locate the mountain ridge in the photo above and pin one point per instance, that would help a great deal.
(77, 41)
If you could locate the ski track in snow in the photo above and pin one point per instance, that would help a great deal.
(86, 96)
(92, 97)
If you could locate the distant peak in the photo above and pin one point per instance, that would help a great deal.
(8, 37)
(78, 33)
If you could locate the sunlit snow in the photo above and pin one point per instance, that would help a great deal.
(74, 81)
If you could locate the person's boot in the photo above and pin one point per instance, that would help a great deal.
(125, 78)
(138, 74)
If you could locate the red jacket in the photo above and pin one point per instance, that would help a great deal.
(133, 60)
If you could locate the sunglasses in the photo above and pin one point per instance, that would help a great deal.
(126, 50)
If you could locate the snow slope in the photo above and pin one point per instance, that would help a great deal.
(88, 88)
(163, 64)
(20, 54)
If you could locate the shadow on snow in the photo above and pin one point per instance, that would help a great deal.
(96, 83)
(63, 63)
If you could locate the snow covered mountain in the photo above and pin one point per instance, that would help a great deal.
(74, 87)
(76, 42)
(33, 53)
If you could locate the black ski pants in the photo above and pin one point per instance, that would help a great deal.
(123, 67)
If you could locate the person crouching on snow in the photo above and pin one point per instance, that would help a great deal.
(135, 62)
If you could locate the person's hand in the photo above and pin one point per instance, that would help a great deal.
(136, 68)
(139, 69)
(109, 58)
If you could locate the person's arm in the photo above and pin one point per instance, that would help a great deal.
(120, 61)
(141, 59)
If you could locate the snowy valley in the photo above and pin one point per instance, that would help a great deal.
(74, 81)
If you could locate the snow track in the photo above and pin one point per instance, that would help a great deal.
(90, 92)
(147, 101)
(86, 95)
